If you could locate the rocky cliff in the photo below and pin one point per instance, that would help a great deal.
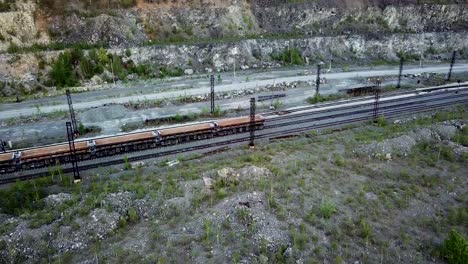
(129, 23)
(207, 35)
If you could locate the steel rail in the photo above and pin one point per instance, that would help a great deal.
(428, 90)
(370, 103)
(354, 112)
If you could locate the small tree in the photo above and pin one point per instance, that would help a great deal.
(62, 74)
(455, 248)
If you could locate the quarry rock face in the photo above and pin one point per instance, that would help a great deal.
(212, 36)
(253, 53)
(29, 23)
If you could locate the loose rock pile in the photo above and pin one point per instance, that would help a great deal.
(402, 145)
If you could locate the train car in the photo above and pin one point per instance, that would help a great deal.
(175, 135)
(108, 146)
(124, 143)
(238, 124)
(52, 155)
(6, 162)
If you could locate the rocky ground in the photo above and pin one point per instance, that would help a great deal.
(382, 193)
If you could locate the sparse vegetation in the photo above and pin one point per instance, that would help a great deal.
(341, 205)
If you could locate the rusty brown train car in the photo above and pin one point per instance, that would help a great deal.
(108, 146)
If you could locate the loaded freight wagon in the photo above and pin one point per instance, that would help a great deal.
(107, 146)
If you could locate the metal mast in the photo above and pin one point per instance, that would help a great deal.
(317, 82)
(376, 101)
(252, 122)
(212, 94)
(402, 60)
(72, 113)
(71, 144)
(452, 62)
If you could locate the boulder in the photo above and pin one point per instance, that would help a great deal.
(96, 80)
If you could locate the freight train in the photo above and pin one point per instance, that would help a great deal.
(107, 146)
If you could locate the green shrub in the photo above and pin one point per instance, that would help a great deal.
(13, 48)
(132, 215)
(221, 193)
(455, 248)
(381, 121)
(127, 3)
(128, 53)
(86, 67)
(320, 98)
(461, 137)
(82, 129)
(164, 72)
(365, 229)
(127, 165)
(122, 222)
(118, 67)
(447, 153)
(289, 56)
(326, 209)
(142, 70)
(300, 237)
(21, 197)
(102, 57)
(458, 216)
(339, 160)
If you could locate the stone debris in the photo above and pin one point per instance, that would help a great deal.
(402, 145)
(54, 200)
(30, 242)
(188, 71)
(119, 202)
(208, 182)
(246, 215)
(283, 86)
(231, 176)
(445, 131)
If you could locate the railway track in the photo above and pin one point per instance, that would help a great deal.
(429, 91)
(270, 131)
(463, 86)
(367, 108)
